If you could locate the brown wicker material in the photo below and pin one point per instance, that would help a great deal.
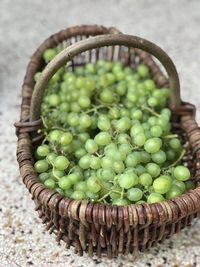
(97, 228)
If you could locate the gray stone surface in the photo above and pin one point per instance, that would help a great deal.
(24, 24)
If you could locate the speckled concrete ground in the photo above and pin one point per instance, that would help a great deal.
(174, 25)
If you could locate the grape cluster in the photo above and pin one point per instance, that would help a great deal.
(108, 136)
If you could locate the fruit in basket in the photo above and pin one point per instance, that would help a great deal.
(109, 137)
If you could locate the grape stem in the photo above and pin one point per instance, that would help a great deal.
(53, 170)
(95, 109)
(170, 136)
(44, 123)
(151, 111)
(107, 194)
(175, 162)
(122, 193)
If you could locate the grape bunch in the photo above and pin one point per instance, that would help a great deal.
(108, 136)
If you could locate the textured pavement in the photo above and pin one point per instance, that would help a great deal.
(24, 24)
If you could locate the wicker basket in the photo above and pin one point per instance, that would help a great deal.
(97, 228)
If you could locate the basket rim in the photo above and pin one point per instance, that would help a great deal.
(166, 210)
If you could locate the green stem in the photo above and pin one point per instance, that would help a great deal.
(44, 123)
(151, 111)
(175, 162)
(122, 193)
(53, 171)
(170, 136)
(95, 108)
(105, 196)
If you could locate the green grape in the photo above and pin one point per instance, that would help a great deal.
(175, 143)
(95, 163)
(107, 174)
(123, 138)
(125, 149)
(91, 146)
(104, 124)
(134, 194)
(136, 129)
(123, 124)
(132, 159)
(174, 192)
(41, 166)
(84, 162)
(80, 152)
(81, 186)
(49, 54)
(149, 85)
(84, 102)
(50, 183)
(145, 157)
(159, 157)
(64, 183)
(85, 121)
(143, 71)
(55, 135)
(106, 162)
(140, 169)
(162, 184)
(145, 179)
(155, 198)
(114, 113)
(51, 157)
(189, 185)
(107, 96)
(78, 195)
(137, 114)
(60, 191)
(153, 169)
(181, 173)
(93, 185)
(180, 184)
(43, 176)
(83, 137)
(170, 154)
(102, 138)
(53, 100)
(139, 139)
(128, 180)
(68, 192)
(74, 177)
(120, 202)
(156, 131)
(118, 166)
(66, 138)
(153, 145)
(43, 150)
(61, 163)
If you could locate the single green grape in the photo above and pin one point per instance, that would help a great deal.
(91, 146)
(61, 163)
(155, 198)
(162, 184)
(181, 173)
(43, 150)
(41, 166)
(128, 180)
(134, 194)
(145, 179)
(64, 183)
(50, 183)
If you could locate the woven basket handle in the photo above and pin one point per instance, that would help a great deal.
(99, 41)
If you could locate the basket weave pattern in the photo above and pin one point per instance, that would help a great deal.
(97, 228)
